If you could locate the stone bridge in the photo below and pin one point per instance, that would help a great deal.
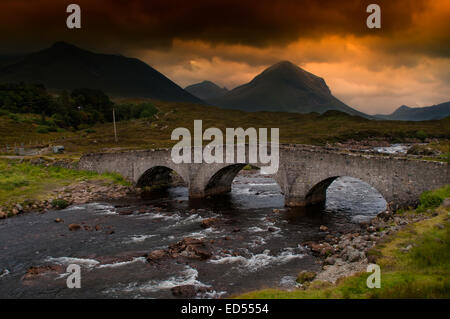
(304, 172)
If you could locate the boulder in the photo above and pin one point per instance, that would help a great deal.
(37, 271)
(323, 249)
(351, 254)
(156, 255)
(330, 260)
(184, 291)
(73, 227)
(209, 222)
(191, 248)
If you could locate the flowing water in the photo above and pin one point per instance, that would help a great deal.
(253, 247)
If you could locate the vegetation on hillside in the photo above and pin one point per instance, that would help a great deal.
(150, 131)
(420, 272)
(77, 109)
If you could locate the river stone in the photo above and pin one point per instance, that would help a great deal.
(209, 222)
(73, 227)
(351, 254)
(156, 254)
(184, 291)
(191, 248)
(330, 260)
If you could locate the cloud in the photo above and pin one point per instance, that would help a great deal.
(229, 42)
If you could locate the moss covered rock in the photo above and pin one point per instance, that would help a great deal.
(305, 276)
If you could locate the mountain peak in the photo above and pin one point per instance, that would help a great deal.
(283, 87)
(206, 90)
(64, 45)
(283, 67)
(284, 64)
(288, 74)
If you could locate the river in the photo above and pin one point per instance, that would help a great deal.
(253, 247)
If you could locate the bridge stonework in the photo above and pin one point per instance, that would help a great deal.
(304, 172)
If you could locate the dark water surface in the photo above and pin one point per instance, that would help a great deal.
(252, 246)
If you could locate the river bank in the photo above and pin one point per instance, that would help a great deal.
(38, 185)
(411, 247)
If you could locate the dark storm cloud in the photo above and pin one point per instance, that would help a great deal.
(150, 24)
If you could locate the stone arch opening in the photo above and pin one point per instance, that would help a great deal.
(222, 181)
(159, 177)
(345, 193)
(318, 194)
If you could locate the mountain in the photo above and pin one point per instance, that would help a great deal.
(65, 66)
(283, 87)
(206, 90)
(405, 113)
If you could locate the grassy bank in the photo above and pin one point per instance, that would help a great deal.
(423, 271)
(22, 182)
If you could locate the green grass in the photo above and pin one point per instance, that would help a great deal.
(20, 182)
(432, 199)
(422, 272)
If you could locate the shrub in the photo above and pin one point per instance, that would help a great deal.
(43, 129)
(429, 199)
(432, 199)
(14, 117)
(60, 203)
(421, 135)
(3, 112)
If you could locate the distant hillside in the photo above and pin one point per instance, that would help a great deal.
(64, 66)
(283, 87)
(8, 59)
(206, 90)
(405, 113)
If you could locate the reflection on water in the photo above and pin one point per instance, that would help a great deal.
(253, 247)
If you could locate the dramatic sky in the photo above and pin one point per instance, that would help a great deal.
(228, 42)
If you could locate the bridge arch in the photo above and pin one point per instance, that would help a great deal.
(317, 194)
(218, 179)
(221, 181)
(158, 175)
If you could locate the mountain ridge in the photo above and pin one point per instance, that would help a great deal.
(206, 90)
(66, 66)
(406, 113)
